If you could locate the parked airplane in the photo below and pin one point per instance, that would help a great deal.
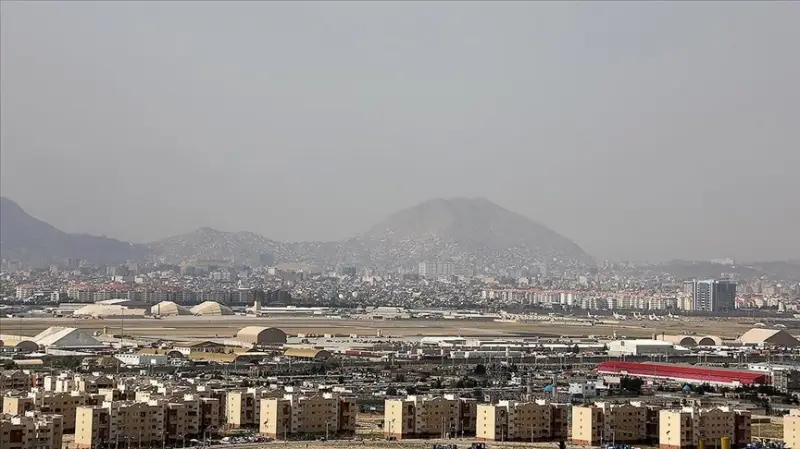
(654, 317)
(620, 316)
(638, 316)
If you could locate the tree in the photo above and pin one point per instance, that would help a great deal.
(562, 445)
(391, 391)
(576, 349)
(632, 384)
(480, 370)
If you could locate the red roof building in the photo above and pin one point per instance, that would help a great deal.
(683, 373)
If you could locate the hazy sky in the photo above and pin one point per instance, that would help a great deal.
(639, 130)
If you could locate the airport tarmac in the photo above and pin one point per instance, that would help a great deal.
(191, 327)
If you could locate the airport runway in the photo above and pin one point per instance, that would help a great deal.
(191, 327)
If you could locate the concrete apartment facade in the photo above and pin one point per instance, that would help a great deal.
(297, 415)
(154, 422)
(134, 423)
(63, 403)
(92, 426)
(426, 417)
(514, 421)
(791, 429)
(15, 381)
(243, 408)
(685, 428)
(603, 422)
(31, 431)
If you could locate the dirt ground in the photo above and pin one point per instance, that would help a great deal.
(190, 327)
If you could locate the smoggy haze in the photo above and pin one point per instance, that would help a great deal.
(638, 130)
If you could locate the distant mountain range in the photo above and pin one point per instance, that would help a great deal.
(25, 238)
(466, 232)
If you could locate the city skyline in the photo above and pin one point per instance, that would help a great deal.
(638, 131)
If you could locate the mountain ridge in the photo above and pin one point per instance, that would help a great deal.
(463, 231)
(24, 237)
(468, 232)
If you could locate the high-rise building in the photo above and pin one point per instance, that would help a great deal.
(713, 295)
(435, 269)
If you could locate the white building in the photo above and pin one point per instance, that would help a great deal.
(586, 389)
(643, 347)
(143, 359)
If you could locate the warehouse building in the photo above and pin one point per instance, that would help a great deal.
(643, 347)
(307, 354)
(169, 308)
(683, 373)
(768, 338)
(261, 336)
(211, 308)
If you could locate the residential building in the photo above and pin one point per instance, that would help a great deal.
(14, 381)
(31, 431)
(602, 422)
(786, 380)
(423, 417)
(129, 423)
(687, 427)
(93, 427)
(319, 414)
(63, 404)
(712, 295)
(559, 420)
(514, 421)
(244, 408)
(791, 429)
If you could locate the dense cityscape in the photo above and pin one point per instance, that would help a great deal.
(399, 225)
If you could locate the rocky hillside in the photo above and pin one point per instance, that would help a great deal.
(467, 232)
(28, 239)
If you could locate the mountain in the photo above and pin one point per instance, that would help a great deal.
(469, 232)
(25, 238)
(466, 232)
(210, 244)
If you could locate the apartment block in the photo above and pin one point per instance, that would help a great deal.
(601, 422)
(319, 414)
(514, 421)
(93, 427)
(686, 428)
(559, 420)
(791, 429)
(221, 395)
(425, 417)
(85, 383)
(63, 404)
(243, 408)
(136, 423)
(15, 381)
(31, 431)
